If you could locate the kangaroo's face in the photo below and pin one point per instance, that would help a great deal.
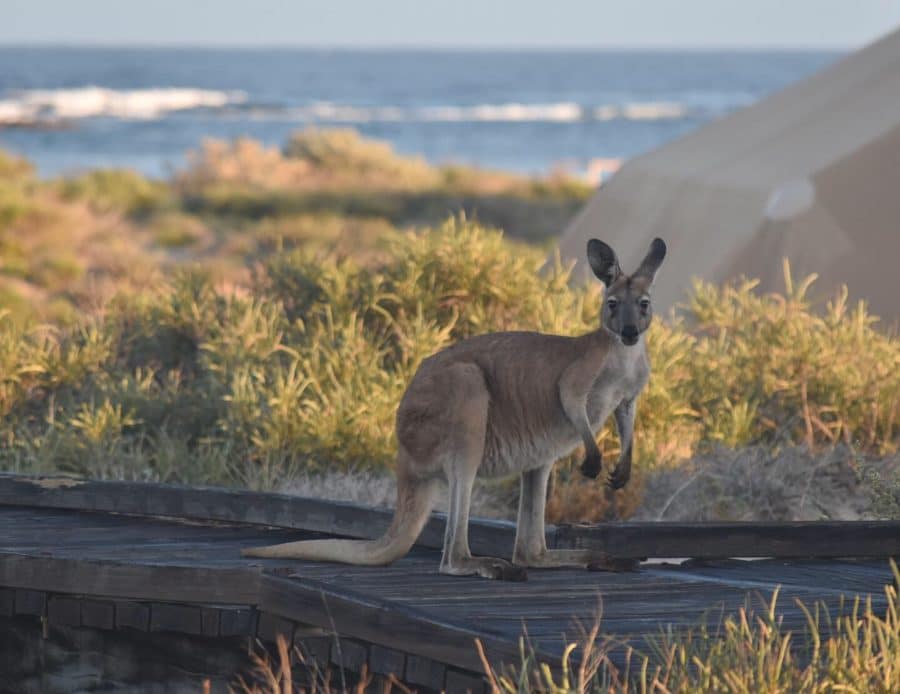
(627, 305)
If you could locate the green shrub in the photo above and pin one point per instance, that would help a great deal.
(57, 271)
(824, 377)
(116, 190)
(362, 238)
(176, 231)
(15, 200)
(13, 168)
(343, 152)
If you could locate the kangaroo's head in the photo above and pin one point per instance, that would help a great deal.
(627, 308)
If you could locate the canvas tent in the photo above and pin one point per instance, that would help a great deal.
(811, 173)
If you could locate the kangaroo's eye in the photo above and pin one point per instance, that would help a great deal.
(644, 304)
(612, 302)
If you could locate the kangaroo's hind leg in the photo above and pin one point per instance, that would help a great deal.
(531, 540)
(462, 457)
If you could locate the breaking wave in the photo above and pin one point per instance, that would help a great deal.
(49, 106)
(561, 112)
(42, 107)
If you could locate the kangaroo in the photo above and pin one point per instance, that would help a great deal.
(511, 402)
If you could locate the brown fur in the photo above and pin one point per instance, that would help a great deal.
(504, 403)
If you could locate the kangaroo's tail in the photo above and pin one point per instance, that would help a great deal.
(415, 500)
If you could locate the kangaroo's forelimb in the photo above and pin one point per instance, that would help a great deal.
(624, 416)
(573, 396)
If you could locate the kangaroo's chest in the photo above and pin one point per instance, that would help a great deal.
(622, 378)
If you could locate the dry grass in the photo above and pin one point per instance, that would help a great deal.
(857, 650)
(760, 483)
(750, 484)
(70, 247)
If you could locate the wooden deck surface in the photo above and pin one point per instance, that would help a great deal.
(408, 607)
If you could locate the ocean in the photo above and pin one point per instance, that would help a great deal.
(72, 109)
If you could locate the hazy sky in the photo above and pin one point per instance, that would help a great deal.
(492, 23)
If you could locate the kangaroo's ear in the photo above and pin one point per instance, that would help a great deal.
(651, 262)
(603, 261)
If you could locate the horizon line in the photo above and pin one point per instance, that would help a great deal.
(438, 47)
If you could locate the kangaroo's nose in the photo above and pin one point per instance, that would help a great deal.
(630, 332)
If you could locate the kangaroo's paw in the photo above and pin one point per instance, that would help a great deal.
(619, 477)
(486, 567)
(606, 563)
(592, 465)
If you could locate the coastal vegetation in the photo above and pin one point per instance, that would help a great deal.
(255, 319)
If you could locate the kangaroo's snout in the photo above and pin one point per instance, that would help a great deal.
(630, 334)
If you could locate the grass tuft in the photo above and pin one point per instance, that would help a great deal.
(857, 650)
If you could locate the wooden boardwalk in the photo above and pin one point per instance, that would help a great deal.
(166, 559)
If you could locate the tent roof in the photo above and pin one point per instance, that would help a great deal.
(797, 130)
(818, 163)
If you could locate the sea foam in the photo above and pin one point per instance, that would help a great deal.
(53, 105)
(560, 112)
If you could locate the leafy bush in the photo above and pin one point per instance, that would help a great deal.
(337, 172)
(342, 153)
(175, 230)
(14, 168)
(16, 180)
(70, 244)
(116, 189)
(823, 377)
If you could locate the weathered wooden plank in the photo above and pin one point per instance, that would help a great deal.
(270, 626)
(749, 580)
(349, 654)
(98, 614)
(64, 611)
(132, 615)
(237, 622)
(136, 581)
(236, 506)
(831, 576)
(464, 682)
(7, 602)
(72, 659)
(185, 619)
(425, 672)
(306, 631)
(720, 540)
(31, 602)
(802, 539)
(315, 651)
(386, 661)
(210, 618)
(385, 623)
